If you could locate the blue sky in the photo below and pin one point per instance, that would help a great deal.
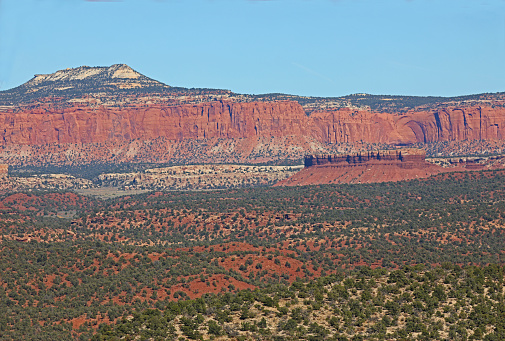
(303, 47)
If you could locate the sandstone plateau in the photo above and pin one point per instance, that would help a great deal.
(82, 124)
(117, 115)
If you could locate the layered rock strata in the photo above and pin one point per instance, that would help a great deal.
(84, 124)
(220, 119)
(445, 124)
(212, 128)
(404, 158)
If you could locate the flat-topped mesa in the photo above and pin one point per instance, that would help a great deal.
(116, 114)
(366, 167)
(405, 158)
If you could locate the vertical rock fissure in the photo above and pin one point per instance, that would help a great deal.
(480, 123)
(439, 125)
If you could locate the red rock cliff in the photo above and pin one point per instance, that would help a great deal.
(207, 120)
(228, 120)
(349, 126)
(456, 124)
(448, 124)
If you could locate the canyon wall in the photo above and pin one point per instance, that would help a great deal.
(228, 120)
(83, 124)
(456, 124)
(223, 130)
(351, 126)
(445, 124)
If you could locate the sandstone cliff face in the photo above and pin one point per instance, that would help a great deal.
(456, 124)
(207, 120)
(448, 124)
(350, 126)
(237, 132)
(228, 120)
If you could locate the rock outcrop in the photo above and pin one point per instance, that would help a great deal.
(383, 166)
(115, 114)
(238, 132)
(84, 124)
(229, 120)
(403, 158)
(379, 166)
(445, 124)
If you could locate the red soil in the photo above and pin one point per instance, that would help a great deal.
(222, 282)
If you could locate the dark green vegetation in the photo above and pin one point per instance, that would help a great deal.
(446, 303)
(21, 95)
(380, 103)
(88, 171)
(92, 170)
(102, 82)
(104, 260)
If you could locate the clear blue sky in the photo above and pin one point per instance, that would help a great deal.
(303, 47)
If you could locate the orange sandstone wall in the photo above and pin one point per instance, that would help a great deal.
(456, 124)
(207, 120)
(227, 120)
(448, 124)
(350, 126)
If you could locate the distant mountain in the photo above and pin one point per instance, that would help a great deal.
(76, 82)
